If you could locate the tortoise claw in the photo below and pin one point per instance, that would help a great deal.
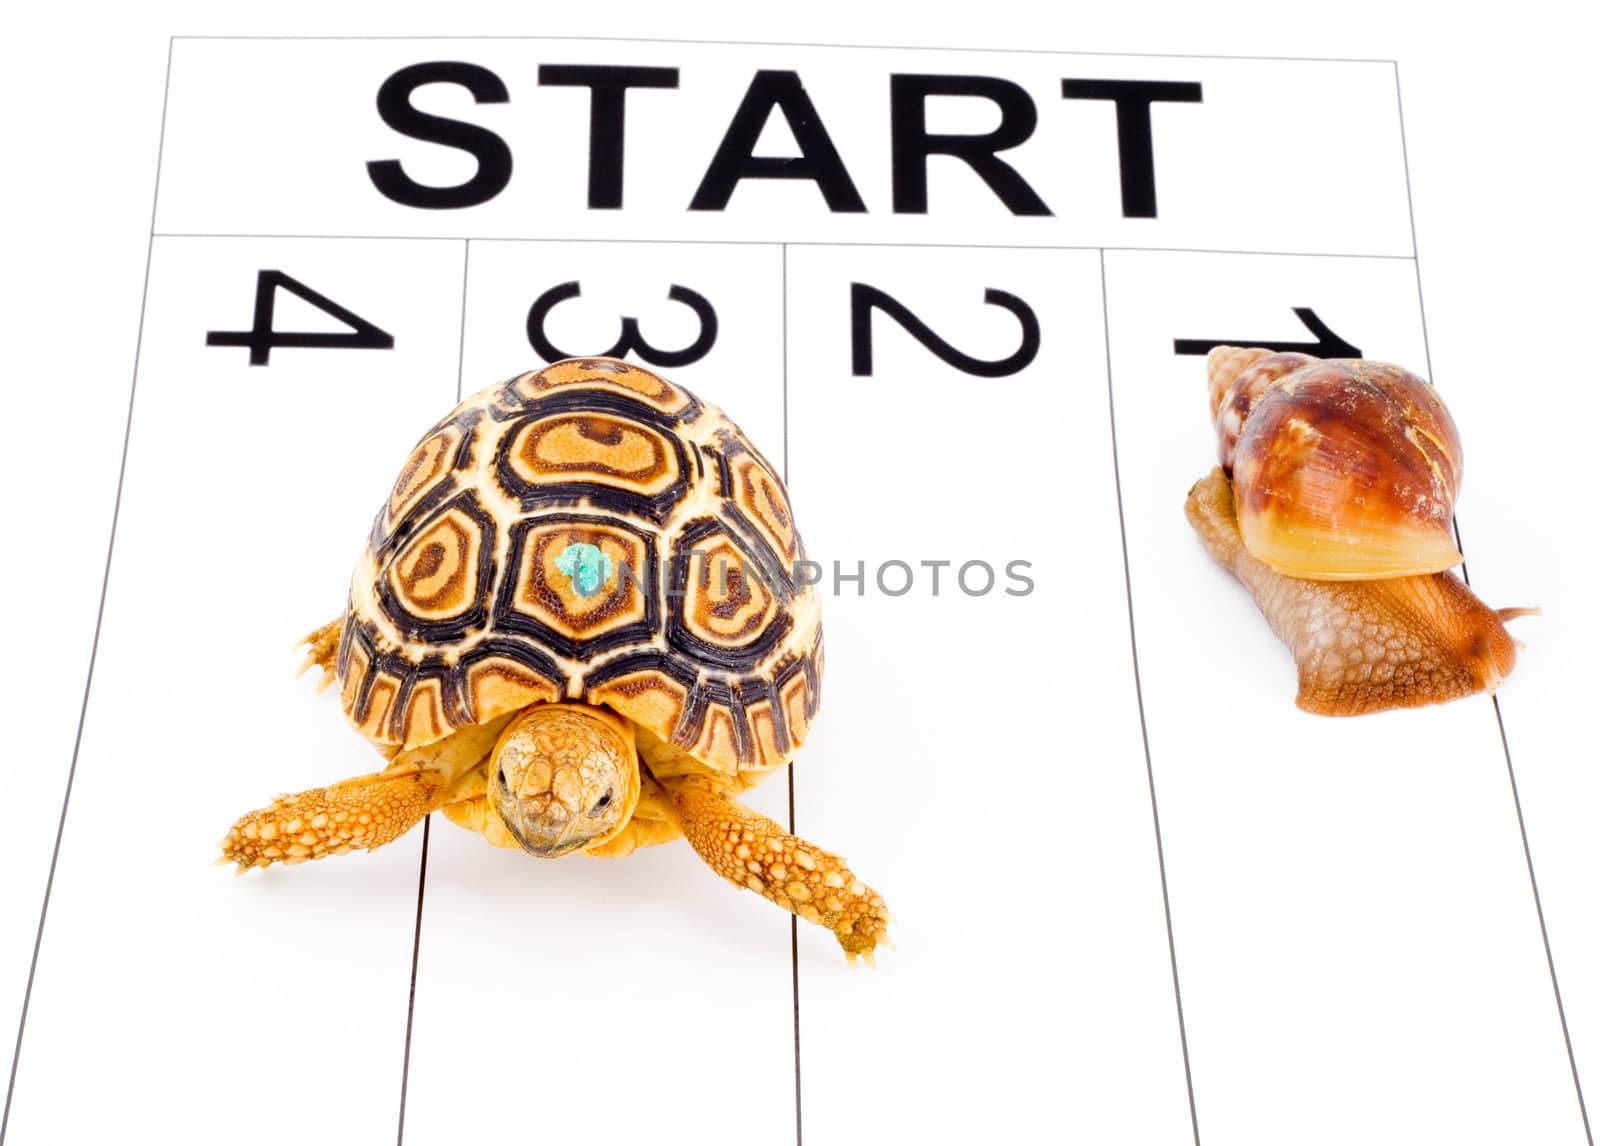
(865, 956)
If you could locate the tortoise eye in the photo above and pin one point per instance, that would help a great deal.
(602, 803)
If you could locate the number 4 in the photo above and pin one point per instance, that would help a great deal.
(261, 338)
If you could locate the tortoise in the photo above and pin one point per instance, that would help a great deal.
(576, 626)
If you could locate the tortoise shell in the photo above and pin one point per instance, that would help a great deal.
(593, 532)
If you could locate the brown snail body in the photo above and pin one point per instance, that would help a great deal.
(1334, 507)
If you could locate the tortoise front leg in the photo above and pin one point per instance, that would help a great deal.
(364, 812)
(752, 851)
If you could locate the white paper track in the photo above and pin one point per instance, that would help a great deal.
(959, 299)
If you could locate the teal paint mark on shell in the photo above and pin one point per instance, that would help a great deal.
(586, 565)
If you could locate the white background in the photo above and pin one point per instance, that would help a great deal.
(1500, 156)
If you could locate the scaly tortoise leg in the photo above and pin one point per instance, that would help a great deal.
(752, 851)
(365, 812)
(322, 650)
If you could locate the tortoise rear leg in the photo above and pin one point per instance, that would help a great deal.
(752, 851)
(323, 651)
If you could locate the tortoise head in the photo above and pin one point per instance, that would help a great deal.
(564, 776)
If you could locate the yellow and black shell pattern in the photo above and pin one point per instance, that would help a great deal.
(590, 532)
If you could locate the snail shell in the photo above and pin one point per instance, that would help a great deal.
(1343, 469)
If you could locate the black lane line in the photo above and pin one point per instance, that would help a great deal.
(461, 344)
(411, 996)
(100, 613)
(1499, 718)
(427, 822)
(794, 922)
(1020, 245)
(1138, 691)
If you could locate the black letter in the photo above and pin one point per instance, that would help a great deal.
(911, 144)
(494, 157)
(818, 160)
(608, 92)
(1135, 154)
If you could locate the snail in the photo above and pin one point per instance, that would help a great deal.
(1333, 505)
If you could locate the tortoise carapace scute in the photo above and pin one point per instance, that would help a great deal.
(587, 532)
